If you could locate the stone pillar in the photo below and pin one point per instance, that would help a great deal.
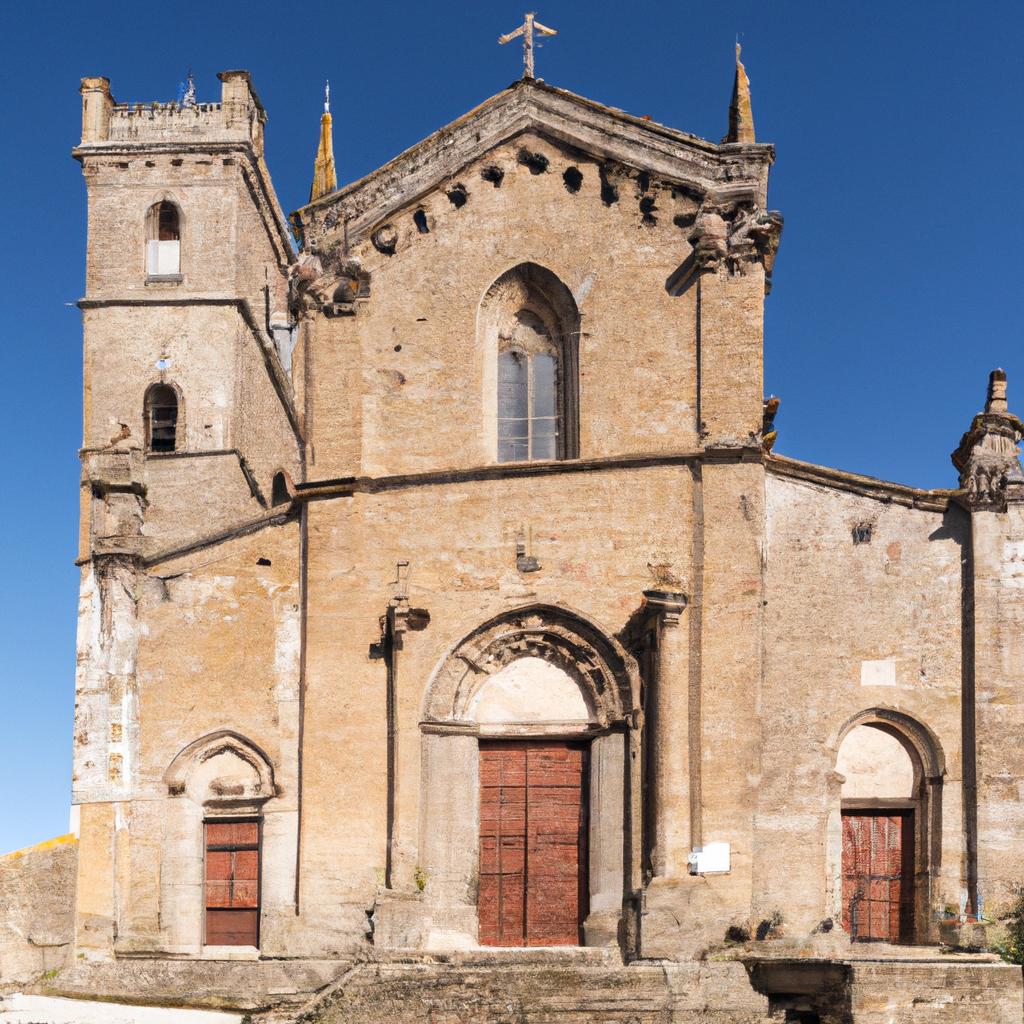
(685, 914)
(606, 838)
(97, 104)
(450, 835)
(992, 490)
(729, 745)
(668, 719)
(997, 834)
(94, 890)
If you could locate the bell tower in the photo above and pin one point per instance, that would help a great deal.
(190, 423)
(187, 342)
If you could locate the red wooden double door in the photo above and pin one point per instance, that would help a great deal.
(878, 875)
(533, 848)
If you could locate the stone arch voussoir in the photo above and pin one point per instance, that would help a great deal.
(219, 742)
(606, 674)
(923, 743)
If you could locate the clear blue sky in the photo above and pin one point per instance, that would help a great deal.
(897, 288)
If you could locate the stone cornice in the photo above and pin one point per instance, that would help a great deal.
(865, 486)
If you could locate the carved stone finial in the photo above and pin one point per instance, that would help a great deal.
(768, 431)
(988, 456)
(996, 401)
(741, 112)
(325, 178)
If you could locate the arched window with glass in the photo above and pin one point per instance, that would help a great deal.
(529, 413)
(531, 320)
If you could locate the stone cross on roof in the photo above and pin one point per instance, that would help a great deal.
(526, 31)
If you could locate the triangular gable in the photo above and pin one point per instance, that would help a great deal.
(606, 134)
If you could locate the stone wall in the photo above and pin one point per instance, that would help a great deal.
(37, 897)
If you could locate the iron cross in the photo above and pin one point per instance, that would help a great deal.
(526, 31)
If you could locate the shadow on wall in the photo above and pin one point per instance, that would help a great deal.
(805, 993)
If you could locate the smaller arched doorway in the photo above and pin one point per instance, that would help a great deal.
(889, 772)
(211, 871)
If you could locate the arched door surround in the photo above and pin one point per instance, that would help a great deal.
(211, 863)
(544, 676)
(885, 827)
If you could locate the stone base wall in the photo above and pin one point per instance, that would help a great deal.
(572, 986)
(37, 909)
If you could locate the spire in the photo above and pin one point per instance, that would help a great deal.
(741, 114)
(324, 177)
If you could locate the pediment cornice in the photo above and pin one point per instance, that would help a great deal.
(721, 172)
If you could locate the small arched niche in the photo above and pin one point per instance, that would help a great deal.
(529, 323)
(529, 692)
(280, 493)
(162, 412)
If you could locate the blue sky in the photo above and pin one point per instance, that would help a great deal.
(897, 287)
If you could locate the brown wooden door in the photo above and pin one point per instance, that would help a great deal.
(878, 875)
(232, 883)
(532, 843)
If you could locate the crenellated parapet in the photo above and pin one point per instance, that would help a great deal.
(238, 117)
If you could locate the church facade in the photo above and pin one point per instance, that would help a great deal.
(442, 597)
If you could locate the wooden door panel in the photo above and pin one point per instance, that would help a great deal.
(231, 927)
(532, 867)
(232, 883)
(877, 875)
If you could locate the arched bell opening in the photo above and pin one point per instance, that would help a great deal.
(885, 828)
(526, 830)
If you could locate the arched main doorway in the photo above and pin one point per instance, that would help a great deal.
(886, 848)
(527, 835)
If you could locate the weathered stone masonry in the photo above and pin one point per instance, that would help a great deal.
(327, 553)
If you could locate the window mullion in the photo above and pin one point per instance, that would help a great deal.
(529, 406)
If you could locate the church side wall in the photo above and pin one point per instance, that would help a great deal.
(851, 627)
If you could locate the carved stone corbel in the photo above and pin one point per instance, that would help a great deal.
(666, 605)
(329, 284)
(733, 238)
